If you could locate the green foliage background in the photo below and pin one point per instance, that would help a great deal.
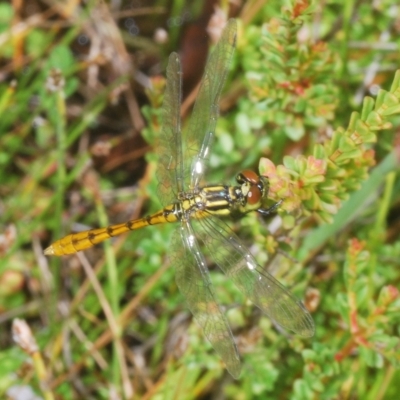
(299, 72)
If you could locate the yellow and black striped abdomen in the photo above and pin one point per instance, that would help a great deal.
(75, 242)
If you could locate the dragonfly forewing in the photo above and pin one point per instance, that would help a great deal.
(200, 132)
(169, 146)
(259, 286)
(193, 280)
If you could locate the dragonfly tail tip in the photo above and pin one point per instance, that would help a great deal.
(49, 251)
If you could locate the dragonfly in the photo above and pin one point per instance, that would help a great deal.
(201, 235)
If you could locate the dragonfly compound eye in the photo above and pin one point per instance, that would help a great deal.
(247, 176)
(254, 195)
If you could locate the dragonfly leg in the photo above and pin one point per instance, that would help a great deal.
(270, 210)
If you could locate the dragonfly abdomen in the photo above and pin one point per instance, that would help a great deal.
(75, 242)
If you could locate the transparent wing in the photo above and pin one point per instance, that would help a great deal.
(194, 283)
(259, 286)
(200, 132)
(169, 147)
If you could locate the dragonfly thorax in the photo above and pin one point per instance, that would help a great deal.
(223, 199)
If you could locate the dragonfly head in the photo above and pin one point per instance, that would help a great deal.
(254, 189)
